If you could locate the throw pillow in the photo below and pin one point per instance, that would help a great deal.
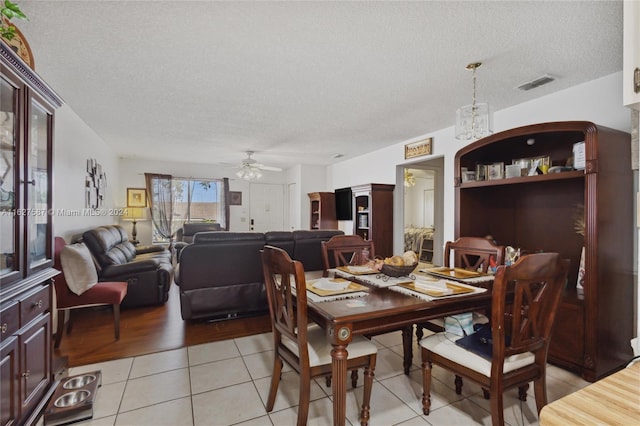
(78, 268)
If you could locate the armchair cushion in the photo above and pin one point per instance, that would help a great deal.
(78, 268)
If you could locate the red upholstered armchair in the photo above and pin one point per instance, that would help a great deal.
(102, 293)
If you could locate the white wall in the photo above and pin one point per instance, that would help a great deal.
(74, 144)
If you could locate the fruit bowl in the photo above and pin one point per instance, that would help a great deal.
(398, 271)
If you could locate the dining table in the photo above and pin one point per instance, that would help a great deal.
(388, 304)
(614, 400)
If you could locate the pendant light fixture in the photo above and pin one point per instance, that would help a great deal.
(474, 121)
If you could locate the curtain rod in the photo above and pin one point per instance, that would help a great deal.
(185, 177)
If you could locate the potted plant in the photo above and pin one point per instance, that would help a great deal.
(8, 12)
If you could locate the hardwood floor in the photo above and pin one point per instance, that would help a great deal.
(144, 331)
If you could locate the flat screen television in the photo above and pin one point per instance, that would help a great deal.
(343, 204)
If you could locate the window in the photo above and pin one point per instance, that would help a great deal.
(190, 200)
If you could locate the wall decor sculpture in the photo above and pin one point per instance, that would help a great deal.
(95, 185)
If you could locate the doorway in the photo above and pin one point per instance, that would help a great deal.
(423, 209)
(266, 207)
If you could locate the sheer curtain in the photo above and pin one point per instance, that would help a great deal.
(160, 195)
(170, 201)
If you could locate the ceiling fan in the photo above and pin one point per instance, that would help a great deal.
(251, 169)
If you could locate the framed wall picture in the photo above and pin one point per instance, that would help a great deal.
(136, 197)
(495, 171)
(418, 149)
(235, 198)
(481, 172)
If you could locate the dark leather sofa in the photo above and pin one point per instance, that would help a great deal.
(147, 269)
(184, 235)
(220, 273)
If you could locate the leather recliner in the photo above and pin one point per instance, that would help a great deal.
(147, 269)
(220, 273)
(184, 235)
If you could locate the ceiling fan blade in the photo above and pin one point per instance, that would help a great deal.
(267, 168)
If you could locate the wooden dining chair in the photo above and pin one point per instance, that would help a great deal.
(305, 347)
(525, 298)
(102, 293)
(471, 253)
(341, 250)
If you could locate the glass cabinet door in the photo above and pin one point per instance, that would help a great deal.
(38, 186)
(9, 220)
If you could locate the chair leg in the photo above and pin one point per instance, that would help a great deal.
(275, 381)
(419, 332)
(407, 347)
(522, 392)
(540, 391)
(304, 398)
(366, 396)
(59, 328)
(458, 383)
(69, 321)
(497, 408)
(116, 320)
(426, 386)
(354, 378)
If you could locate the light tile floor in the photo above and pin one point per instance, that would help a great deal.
(226, 383)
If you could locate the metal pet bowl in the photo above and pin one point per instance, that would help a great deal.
(79, 381)
(71, 399)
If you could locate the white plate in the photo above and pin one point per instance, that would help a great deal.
(331, 285)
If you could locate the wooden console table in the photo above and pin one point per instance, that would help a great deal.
(614, 400)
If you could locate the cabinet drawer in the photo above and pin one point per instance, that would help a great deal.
(33, 305)
(9, 319)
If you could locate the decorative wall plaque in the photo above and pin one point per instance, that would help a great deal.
(418, 149)
(95, 185)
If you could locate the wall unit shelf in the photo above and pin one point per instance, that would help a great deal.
(373, 215)
(538, 213)
(574, 174)
(322, 210)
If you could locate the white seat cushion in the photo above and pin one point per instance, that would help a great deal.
(444, 345)
(320, 347)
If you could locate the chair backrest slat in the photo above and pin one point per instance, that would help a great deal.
(343, 250)
(524, 324)
(287, 295)
(472, 253)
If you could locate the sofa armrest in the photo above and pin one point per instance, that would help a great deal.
(149, 249)
(112, 271)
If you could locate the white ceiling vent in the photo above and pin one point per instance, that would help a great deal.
(536, 82)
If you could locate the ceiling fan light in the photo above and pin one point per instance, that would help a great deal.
(409, 180)
(249, 173)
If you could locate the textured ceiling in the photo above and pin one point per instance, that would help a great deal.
(300, 81)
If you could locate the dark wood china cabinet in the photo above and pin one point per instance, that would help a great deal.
(373, 215)
(549, 212)
(27, 107)
(322, 210)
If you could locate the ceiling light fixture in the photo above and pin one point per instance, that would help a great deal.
(248, 172)
(474, 121)
(409, 180)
